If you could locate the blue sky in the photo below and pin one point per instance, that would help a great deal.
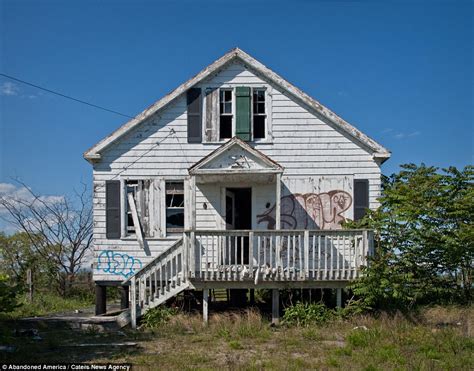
(400, 71)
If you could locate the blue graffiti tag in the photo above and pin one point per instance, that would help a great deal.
(118, 263)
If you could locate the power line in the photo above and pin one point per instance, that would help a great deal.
(65, 96)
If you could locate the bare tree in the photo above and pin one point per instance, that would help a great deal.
(59, 229)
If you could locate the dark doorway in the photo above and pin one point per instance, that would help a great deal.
(239, 208)
(239, 216)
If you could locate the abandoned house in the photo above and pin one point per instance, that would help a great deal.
(234, 180)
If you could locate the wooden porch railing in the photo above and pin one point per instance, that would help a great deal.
(285, 255)
(160, 280)
(250, 255)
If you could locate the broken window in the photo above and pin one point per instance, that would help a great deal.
(225, 109)
(140, 191)
(174, 206)
(259, 114)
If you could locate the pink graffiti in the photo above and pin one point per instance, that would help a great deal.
(310, 211)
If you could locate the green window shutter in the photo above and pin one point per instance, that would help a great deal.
(242, 122)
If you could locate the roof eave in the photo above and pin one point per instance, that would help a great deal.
(93, 154)
(161, 103)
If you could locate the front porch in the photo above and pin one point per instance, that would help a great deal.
(280, 256)
(250, 259)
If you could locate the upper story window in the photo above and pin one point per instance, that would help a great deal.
(255, 111)
(225, 113)
(174, 206)
(241, 111)
(259, 114)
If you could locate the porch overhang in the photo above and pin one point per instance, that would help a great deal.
(231, 177)
(236, 162)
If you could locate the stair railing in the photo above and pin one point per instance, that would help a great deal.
(158, 281)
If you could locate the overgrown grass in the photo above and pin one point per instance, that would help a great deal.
(47, 303)
(436, 338)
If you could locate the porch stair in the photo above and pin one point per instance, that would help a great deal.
(160, 280)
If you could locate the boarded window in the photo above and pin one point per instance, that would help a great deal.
(112, 207)
(140, 190)
(194, 115)
(259, 114)
(225, 111)
(361, 198)
(174, 206)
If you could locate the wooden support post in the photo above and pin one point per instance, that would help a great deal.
(278, 220)
(278, 202)
(306, 254)
(339, 298)
(205, 305)
(252, 296)
(275, 307)
(100, 300)
(193, 256)
(124, 301)
(133, 293)
(193, 203)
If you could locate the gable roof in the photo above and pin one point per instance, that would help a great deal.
(257, 161)
(237, 54)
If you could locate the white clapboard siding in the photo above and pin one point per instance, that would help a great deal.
(309, 148)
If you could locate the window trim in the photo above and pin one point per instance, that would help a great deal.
(160, 232)
(232, 114)
(265, 128)
(165, 193)
(125, 232)
(128, 232)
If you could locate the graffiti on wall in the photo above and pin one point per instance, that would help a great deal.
(309, 211)
(118, 263)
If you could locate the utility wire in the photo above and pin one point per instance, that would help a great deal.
(65, 96)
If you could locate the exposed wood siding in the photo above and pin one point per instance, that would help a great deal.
(307, 146)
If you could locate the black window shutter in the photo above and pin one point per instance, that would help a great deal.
(194, 115)
(361, 197)
(112, 209)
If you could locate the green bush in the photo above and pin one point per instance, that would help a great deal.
(304, 314)
(8, 295)
(157, 316)
(423, 241)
